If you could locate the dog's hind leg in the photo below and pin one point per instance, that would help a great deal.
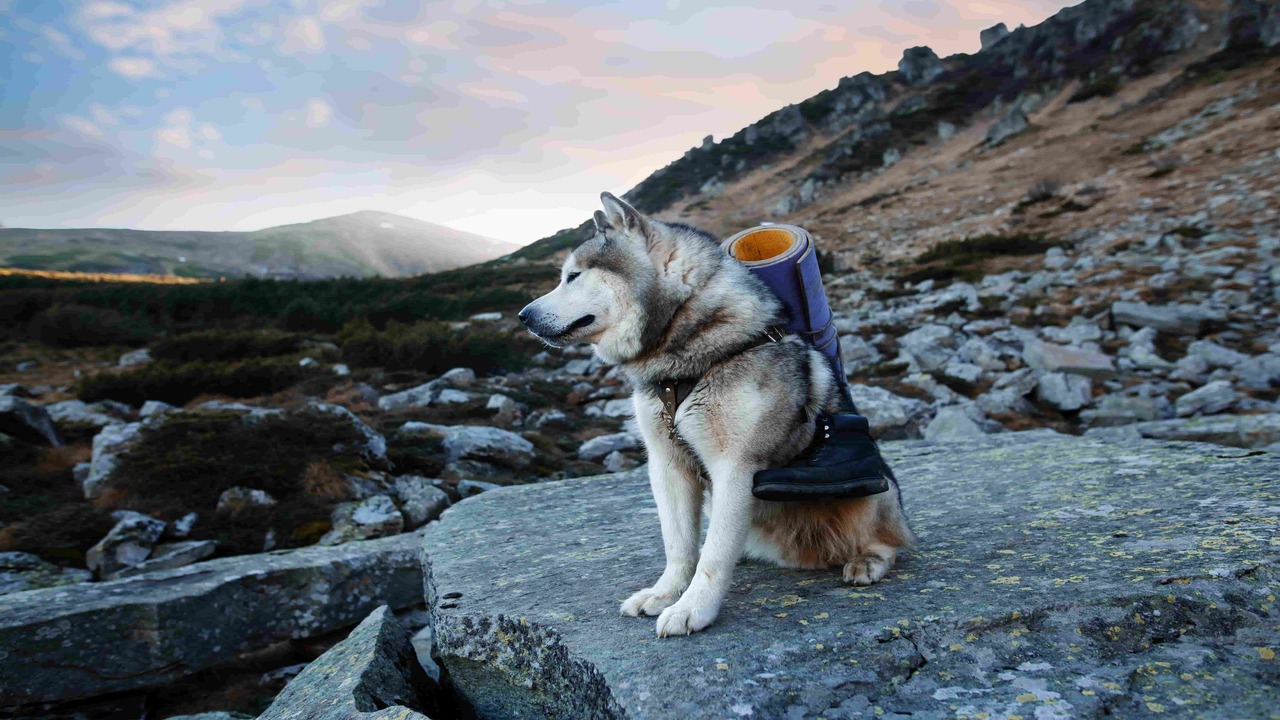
(872, 562)
(731, 510)
(678, 494)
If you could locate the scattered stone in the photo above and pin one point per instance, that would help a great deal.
(308, 362)
(993, 35)
(486, 317)
(21, 571)
(1051, 358)
(236, 499)
(216, 715)
(1260, 372)
(891, 416)
(373, 517)
(135, 358)
(1173, 319)
(1212, 398)
(919, 66)
(1141, 351)
(504, 409)
(1249, 23)
(155, 407)
(420, 500)
(459, 378)
(952, 424)
(1114, 410)
(167, 557)
(930, 347)
(1013, 122)
(1026, 508)
(598, 447)
(1064, 392)
(183, 526)
(1242, 431)
(77, 412)
(25, 421)
(475, 449)
(168, 624)
(856, 354)
(127, 545)
(374, 674)
(341, 369)
(1215, 355)
(617, 462)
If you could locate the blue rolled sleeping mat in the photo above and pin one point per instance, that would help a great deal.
(785, 258)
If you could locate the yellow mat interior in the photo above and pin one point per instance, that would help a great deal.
(762, 245)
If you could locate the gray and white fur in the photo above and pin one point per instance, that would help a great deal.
(663, 301)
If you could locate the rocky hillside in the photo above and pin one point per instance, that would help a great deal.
(361, 244)
(882, 167)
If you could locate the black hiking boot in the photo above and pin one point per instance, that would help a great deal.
(841, 462)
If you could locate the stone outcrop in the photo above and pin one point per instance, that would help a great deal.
(54, 643)
(372, 675)
(25, 421)
(919, 66)
(1055, 577)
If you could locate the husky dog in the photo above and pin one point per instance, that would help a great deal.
(663, 301)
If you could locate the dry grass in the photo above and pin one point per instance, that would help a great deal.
(101, 277)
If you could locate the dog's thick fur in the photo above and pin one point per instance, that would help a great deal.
(664, 301)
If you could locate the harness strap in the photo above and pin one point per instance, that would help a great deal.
(672, 392)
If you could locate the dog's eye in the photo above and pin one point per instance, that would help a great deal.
(571, 278)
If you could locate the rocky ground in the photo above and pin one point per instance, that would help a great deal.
(1103, 265)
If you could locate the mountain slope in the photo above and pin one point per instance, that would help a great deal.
(1061, 101)
(360, 244)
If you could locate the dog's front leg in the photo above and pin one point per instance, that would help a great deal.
(678, 494)
(731, 506)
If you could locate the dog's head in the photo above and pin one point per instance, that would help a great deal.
(603, 286)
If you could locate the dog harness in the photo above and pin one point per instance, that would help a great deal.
(672, 392)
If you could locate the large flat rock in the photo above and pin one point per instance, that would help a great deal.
(1055, 577)
(92, 639)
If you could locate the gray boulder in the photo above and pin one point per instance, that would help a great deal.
(374, 674)
(1249, 23)
(127, 544)
(598, 447)
(1012, 123)
(919, 66)
(108, 445)
(891, 416)
(1051, 358)
(993, 35)
(1242, 431)
(1064, 392)
(1177, 319)
(21, 571)
(168, 624)
(953, 424)
(237, 499)
(1091, 581)
(930, 347)
(168, 556)
(25, 421)
(1215, 355)
(155, 407)
(1141, 351)
(466, 445)
(135, 358)
(78, 412)
(1260, 372)
(1212, 398)
(857, 354)
(373, 517)
(420, 500)
(1113, 410)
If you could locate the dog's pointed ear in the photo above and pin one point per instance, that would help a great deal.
(602, 222)
(622, 215)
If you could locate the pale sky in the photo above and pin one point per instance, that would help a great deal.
(501, 118)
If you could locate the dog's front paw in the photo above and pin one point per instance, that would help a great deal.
(683, 619)
(649, 601)
(865, 569)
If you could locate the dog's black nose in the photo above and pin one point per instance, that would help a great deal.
(524, 315)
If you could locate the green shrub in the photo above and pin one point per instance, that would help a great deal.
(180, 383)
(1101, 87)
(79, 325)
(225, 345)
(187, 462)
(962, 259)
(428, 347)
